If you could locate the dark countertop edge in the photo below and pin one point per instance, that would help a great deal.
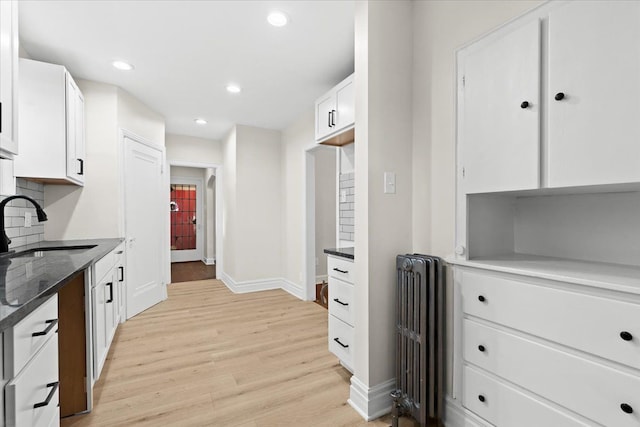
(104, 246)
(341, 252)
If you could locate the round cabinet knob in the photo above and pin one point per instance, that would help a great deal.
(559, 96)
(481, 298)
(481, 398)
(460, 250)
(524, 105)
(481, 348)
(626, 408)
(626, 336)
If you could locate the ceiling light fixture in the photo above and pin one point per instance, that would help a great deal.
(233, 88)
(278, 19)
(121, 65)
(200, 121)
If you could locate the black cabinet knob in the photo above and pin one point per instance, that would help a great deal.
(626, 408)
(559, 96)
(525, 104)
(626, 336)
(481, 348)
(481, 298)
(481, 398)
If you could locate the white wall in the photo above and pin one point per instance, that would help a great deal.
(189, 149)
(325, 205)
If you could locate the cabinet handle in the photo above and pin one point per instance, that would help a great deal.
(49, 396)
(481, 348)
(338, 341)
(81, 167)
(481, 298)
(333, 118)
(121, 278)
(341, 271)
(626, 336)
(52, 323)
(626, 408)
(524, 105)
(481, 398)
(559, 96)
(110, 285)
(340, 302)
(329, 119)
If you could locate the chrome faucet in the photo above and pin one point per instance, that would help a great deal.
(4, 240)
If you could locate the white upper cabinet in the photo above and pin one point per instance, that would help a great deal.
(501, 113)
(51, 123)
(594, 61)
(8, 78)
(335, 112)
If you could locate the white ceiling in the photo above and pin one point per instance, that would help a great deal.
(186, 52)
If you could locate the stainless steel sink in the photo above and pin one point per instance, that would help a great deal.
(39, 252)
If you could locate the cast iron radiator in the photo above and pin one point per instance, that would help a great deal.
(420, 339)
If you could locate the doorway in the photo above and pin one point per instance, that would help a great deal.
(186, 218)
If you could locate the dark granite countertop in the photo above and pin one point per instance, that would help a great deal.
(342, 252)
(28, 281)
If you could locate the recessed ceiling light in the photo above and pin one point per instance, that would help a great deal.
(200, 121)
(278, 19)
(233, 88)
(121, 65)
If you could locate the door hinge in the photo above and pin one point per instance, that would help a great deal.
(463, 172)
(464, 81)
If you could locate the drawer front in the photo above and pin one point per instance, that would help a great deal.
(341, 300)
(20, 343)
(341, 340)
(587, 388)
(103, 265)
(503, 405)
(589, 323)
(30, 387)
(340, 268)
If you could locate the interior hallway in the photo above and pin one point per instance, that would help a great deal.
(208, 357)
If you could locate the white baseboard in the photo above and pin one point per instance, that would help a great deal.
(456, 416)
(261, 285)
(209, 261)
(371, 402)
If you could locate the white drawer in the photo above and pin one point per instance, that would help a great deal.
(589, 323)
(595, 391)
(341, 300)
(341, 340)
(503, 405)
(20, 344)
(55, 419)
(35, 383)
(103, 265)
(340, 268)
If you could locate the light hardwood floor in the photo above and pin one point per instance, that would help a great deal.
(208, 357)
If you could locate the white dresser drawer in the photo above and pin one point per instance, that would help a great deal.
(341, 300)
(504, 406)
(595, 391)
(341, 340)
(103, 265)
(589, 323)
(20, 343)
(340, 268)
(37, 384)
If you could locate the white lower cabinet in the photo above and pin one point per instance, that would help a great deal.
(31, 394)
(341, 309)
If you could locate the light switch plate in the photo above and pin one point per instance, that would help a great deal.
(389, 183)
(27, 219)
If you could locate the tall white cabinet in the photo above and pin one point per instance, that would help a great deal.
(547, 265)
(8, 78)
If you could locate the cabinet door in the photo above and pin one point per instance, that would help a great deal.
(345, 102)
(594, 60)
(325, 111)
(8, 78)
(75, 131)
(99, 328)
(500, 115)
(110, 309)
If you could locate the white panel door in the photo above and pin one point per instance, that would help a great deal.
(144, 226)
(501, 113)
(594, 61)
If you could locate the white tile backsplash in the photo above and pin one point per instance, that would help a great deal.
(14, 215)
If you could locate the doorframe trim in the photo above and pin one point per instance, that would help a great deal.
(200, 216)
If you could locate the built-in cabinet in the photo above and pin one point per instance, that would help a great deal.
(341, 309)
(547, 264)
(8, 78)
(51, 124)
(335, 114)
(31, 369)
(106, 297)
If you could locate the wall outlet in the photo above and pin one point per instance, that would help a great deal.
(343, 196)
(27, 219)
